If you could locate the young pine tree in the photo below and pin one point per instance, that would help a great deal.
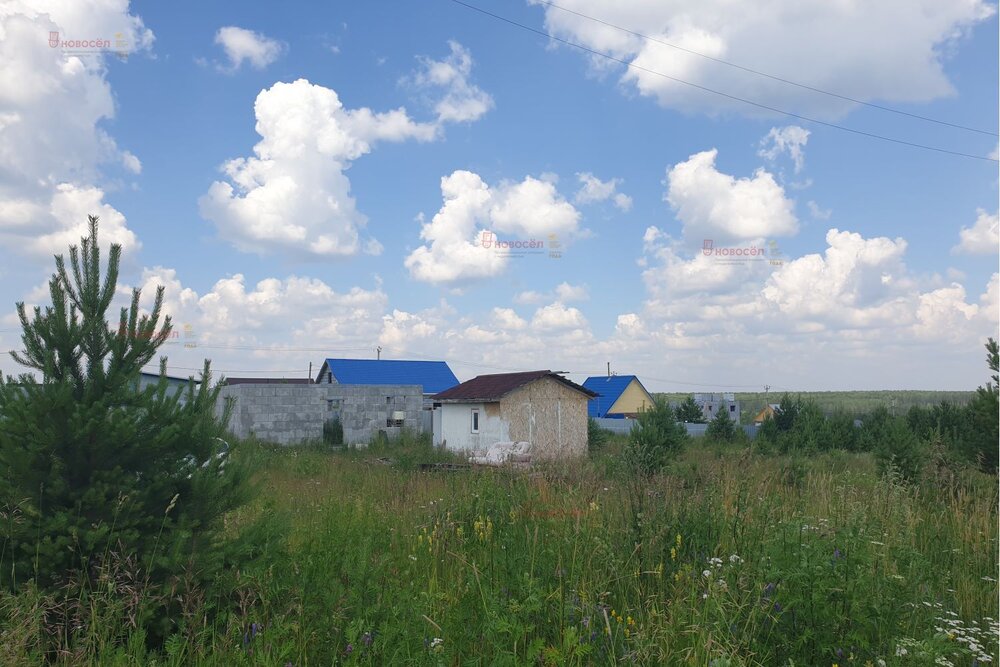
(689, 411)
(94, 465)
(656, 439)
(721, 428)
(984, 417)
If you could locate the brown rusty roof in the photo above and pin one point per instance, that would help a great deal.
(494, 387)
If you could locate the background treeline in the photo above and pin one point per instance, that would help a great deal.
(854, 403)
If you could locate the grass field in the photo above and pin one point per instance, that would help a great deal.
(730, 558)
(852, 402)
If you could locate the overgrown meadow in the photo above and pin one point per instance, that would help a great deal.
(728, 557)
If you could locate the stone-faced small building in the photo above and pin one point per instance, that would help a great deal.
(711, 404)
(292, 412)
(541, 408)
(618, 396)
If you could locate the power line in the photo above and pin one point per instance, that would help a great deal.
(736, 98)
(765, 74)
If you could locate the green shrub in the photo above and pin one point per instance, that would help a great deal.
(690, 412)
(597, 437)
(333, 432)
(984, 418)
(898, 450)
(656, 438)
(722, 428)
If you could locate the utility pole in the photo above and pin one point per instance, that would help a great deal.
(609, 369)
(310, 372)
(378, 353)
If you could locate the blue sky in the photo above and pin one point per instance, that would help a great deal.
(332, 234)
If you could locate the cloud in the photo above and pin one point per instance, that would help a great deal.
(848, 316)
(594, 189)
(790, 139)
(856, 282)
(983, 238)
(566, 292)
(454, 249)
(894, 54)
(506, 318)
(817, 212)
(557, 316)
(52, 160)
(671, 273)
(529, 297)
(462, 101)
(293, 195)
(290, 312)
(242, 45)
(714, 205)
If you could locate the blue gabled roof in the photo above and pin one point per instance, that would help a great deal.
(609, 389)
(433, 376)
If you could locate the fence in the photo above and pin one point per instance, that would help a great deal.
(624, 426)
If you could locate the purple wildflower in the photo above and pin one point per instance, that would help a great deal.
(367, 639)
(349, 649)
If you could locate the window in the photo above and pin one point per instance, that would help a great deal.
(393, 422)
(475, 421)
(732, 408)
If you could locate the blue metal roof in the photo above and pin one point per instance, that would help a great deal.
(609, 389)
(433, 376)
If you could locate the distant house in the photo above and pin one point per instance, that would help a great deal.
(432, 376)
(711, 404)
(618, 396)
(767, 412)
(541, 408)
(173, 382)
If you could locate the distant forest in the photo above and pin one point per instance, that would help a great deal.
(856, 403)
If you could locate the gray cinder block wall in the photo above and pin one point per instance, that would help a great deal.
(291, 414)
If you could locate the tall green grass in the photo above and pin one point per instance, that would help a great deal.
(727, 558)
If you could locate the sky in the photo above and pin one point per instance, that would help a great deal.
(707, 195)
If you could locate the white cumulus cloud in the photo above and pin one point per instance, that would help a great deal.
(293, 194)
(462, 101)
(983, 238)
(718, 206)
(53, 100)
(894, 53)
(790, 139)
(592, 189)
(242, 45)
(455, 248)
